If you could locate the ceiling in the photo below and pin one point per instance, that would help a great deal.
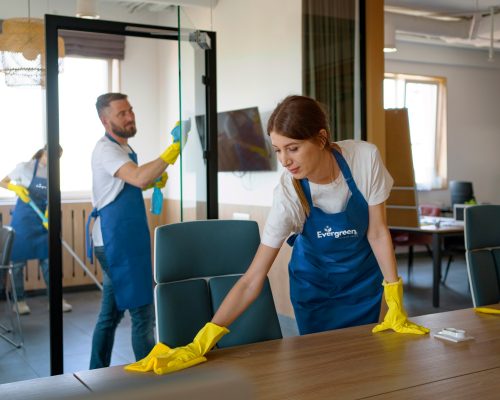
(161, 5)
(462, 23)
(446, 6)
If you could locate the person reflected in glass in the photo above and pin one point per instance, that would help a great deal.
(28, 181)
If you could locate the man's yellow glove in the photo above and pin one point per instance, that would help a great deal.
(20, 191)
(179, 134)
(159, 183)
(170, 360)
(396, 318)
(487, 310)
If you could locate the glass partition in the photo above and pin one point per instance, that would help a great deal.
(169, 87)
(192, 110)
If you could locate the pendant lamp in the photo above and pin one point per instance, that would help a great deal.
(22, 51)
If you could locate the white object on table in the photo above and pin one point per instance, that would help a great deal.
(453, 335)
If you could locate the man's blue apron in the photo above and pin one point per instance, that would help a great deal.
(31, 238)
(335, 280)
(127, 246)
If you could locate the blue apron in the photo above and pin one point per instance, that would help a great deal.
(335, 280)
(31, 238)
(127, 246)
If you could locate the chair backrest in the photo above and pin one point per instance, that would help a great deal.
(196, 263)
(482, 245)
(461, 192)
(6, 240)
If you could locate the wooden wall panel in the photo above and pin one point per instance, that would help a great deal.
(74, 218)
(374, 45)
(402, 198)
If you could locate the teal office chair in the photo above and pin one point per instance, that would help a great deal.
(6, 267)
(196, 263)
(482, 245)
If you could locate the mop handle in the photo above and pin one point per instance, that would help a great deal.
(66, 245)
(37, 210)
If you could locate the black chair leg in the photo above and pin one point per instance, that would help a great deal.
(450, 259)
(410, 261)
(429, 251)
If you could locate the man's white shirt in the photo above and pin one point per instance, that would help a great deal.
(107, 158)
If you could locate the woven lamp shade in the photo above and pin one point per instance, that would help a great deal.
(22, 51)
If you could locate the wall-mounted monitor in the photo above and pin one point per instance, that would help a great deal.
(241, 140)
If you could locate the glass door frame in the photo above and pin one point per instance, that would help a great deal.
(52, 24)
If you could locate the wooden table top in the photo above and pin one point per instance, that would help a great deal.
(52, 387)
(484, 385)
(348, 363)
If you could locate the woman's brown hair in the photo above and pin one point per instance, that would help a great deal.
(301, 118)
(39, 153)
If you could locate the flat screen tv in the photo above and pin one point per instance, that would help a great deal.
(242, 144)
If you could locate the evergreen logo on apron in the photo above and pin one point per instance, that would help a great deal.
(344, 234)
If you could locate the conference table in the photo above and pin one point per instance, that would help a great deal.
(347, 363)
(438, 228)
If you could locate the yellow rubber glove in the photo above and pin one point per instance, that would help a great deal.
(20, 191)
(164, 360)
(486, 310)
(396, 318)
(146, 364)
(179, 134)
(192, 354)
(160, 184)
(171, 153)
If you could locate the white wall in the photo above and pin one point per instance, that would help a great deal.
(473, 113)
(258, 64)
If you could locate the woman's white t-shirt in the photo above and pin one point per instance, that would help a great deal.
(370, 175)
(23, 173)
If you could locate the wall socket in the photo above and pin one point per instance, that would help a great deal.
(238, 215)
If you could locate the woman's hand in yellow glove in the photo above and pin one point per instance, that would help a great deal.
(396, 318)
(487, 310)
(20, 191)
(164, 360)
(146, 364)
(45, 222)
(192, 354)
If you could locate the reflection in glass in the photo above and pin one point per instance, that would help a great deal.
(193, 184)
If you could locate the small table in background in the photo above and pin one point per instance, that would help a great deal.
(438, 228)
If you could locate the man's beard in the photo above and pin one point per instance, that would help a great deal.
(124, 132)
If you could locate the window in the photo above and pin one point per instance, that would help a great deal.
(82, 80)
(21, 125)
(425, 99)
(23, 121)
